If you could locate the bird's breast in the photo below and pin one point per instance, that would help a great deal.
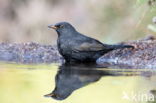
(64, 46)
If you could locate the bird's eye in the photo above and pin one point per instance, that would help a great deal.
(60, 26)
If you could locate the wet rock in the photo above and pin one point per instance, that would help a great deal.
(29, 53)
(142, 56)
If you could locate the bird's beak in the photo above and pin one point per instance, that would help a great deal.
(49, 95)
(52, 26)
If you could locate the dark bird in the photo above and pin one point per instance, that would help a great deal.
(76, 47)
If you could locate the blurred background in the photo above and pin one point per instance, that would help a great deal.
(110, 21)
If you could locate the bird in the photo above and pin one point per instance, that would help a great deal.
(77, 47)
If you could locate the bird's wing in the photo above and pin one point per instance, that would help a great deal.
(89, 46)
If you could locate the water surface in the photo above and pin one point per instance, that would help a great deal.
(75, 84)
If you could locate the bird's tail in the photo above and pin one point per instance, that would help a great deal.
(119, 46)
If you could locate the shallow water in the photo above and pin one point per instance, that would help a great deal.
(75, 84)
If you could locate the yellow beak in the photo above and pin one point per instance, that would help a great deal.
(52, 26)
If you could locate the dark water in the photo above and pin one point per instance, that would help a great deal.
(75, 84)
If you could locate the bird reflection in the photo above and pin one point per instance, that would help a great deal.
(72, 77)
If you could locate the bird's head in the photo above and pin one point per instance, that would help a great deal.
(59, 94)
(62, 28)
